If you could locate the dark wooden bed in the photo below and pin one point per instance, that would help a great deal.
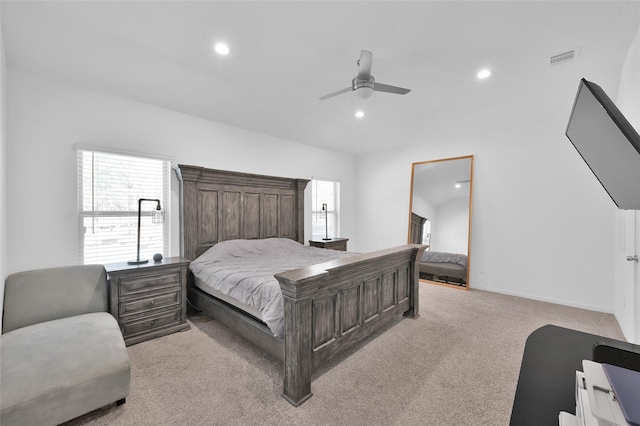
(447, 272)
(328, 307)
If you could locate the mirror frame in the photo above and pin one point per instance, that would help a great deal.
(413, 166)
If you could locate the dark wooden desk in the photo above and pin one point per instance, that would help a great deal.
(551, 357)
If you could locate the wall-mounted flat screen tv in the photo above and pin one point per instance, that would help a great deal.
(608, 143)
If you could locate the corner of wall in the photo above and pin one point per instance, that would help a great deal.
(3, 168)
(627, 294)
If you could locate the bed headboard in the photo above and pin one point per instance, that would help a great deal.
(219, 205)
(417, 228)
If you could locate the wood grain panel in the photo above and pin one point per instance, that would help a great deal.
(388, 291)
(370, 305)
(404, 282)
(208, 216)
(298, 351)
(288, 219)
(142, 307)
(251, 216)
(147, 324)
(350, 309)
(324, 324)
(206, 219)
(270, 216)
(417, 227)
(132, 285)
(231, 215)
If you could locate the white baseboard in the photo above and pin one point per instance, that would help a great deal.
(543, 299)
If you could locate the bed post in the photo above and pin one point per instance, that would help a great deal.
(178, 173)
(414, 283)
(298, 344)
(300, 185)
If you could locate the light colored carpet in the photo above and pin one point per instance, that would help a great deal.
(457, 364)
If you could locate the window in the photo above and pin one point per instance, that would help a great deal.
(109, 186)
(327, 193)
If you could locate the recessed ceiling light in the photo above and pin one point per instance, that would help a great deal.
(221, 48)
(483, 74)
(359, 114)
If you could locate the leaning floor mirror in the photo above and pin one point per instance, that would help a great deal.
(440, 218)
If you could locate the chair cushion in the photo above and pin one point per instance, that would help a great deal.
(32, 297)
(57, 370)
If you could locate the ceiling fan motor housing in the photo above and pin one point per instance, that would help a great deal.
(363, 88)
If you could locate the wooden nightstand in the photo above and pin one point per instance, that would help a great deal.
(333, 244)
(149, 300)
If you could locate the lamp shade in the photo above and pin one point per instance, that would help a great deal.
(363, 92)
(157, 216)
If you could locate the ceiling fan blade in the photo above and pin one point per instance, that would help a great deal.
(379, 87)
(339, 92)
(364, 64)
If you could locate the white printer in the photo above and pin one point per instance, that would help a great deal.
(606, 395)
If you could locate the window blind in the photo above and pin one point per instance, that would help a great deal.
(109, 186)
(325, 192)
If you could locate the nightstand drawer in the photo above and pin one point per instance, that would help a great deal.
(149, 300)
(133, 285)
(148, 324)
(332, 244)
(155, 301)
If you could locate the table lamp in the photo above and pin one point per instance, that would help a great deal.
(156, 217)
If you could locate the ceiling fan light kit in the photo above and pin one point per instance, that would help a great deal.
(363, 102)
(221, 48)
(364, 84)
(363, 88)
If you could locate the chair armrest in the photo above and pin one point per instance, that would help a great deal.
(47, 294)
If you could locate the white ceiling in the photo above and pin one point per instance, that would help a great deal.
(284, 55)
(435, 181)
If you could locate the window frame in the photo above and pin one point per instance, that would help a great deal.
(333, 209)
(146, 211)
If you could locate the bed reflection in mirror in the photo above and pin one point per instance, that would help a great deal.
(440, 218)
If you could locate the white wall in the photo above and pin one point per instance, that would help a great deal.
(627, 296)
(3, 168)
(47, 119)
(422, 207)
(542, 226)
(449, 233)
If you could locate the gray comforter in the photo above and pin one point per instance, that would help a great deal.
(245, 269)
(441, 257)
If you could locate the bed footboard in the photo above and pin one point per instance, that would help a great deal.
(331, 306)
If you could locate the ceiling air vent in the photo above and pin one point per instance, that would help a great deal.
(561, 58)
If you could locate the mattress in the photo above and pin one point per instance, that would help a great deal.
(452, 265)
(442, 257)
(243, 270)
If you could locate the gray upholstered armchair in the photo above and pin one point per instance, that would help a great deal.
(62, 353)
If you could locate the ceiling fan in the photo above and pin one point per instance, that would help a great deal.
(363, 85)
